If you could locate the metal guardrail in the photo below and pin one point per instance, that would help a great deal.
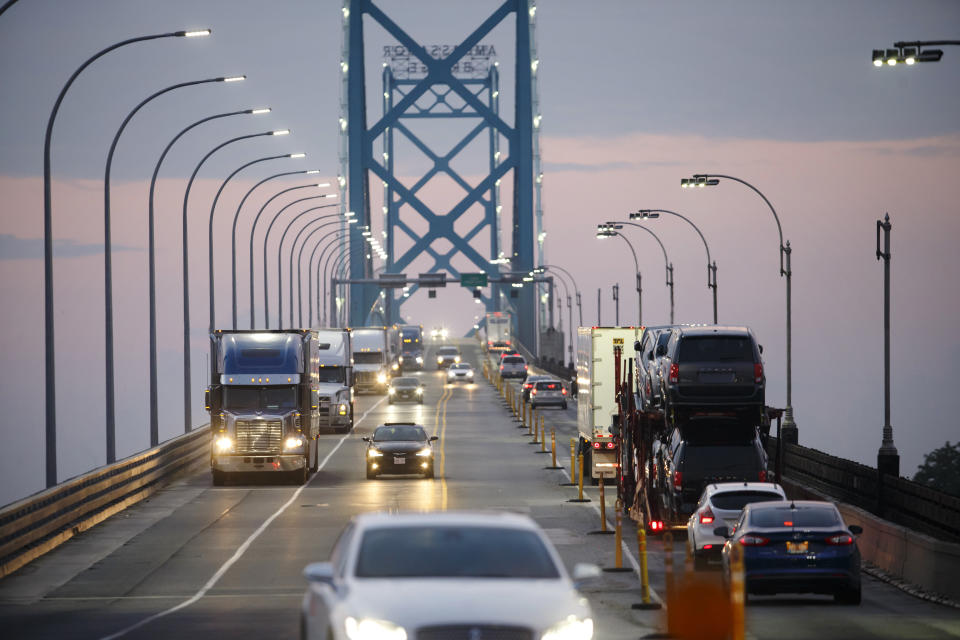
(39, 523)
(898, 500)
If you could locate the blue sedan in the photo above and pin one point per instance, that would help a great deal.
(796, 547)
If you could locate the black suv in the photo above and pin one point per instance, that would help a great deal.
(650, 350)
(713, 369)
(706, 451)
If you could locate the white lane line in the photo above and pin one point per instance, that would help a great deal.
(243, 547)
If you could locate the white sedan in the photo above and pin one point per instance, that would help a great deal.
(441, 575)
(460, 372)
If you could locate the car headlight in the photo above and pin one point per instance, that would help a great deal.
(439, 359)
(419, 391)
(223, 444)
(293, 442)
(370, 629)
(382, 377)
(423, 453)
(570, 629)
(456, 359)
(391, 391)
(400, 359)
(419, 360)
(396, 365)
(373, 453)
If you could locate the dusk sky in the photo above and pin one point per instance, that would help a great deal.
(635, 95)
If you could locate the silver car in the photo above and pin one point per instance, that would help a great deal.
(444, 575)
(513, 367)
(720, 505)
(460, 372)
(548, 392)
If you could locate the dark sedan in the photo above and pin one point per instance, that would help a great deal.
(399, 448)
(796, 547)
(405, 388)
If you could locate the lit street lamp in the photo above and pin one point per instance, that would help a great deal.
(666, 261)
(608, 231)
(292, 251)
(652, 214)
(49, 341)
(910, 53)
(700, 180)
(333, 236)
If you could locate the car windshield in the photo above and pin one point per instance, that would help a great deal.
(800, 517)
(436, 551)
(737, 500)
(368, 357)
(405, 433)
(447, 351)
(715, 349)
(462, 365)
(513, 360)
(260, 398)
(405, 382)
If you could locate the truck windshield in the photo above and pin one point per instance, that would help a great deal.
(240, 399)
(368, 357)
(331, 374)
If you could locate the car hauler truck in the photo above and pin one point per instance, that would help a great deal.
(263, 401)
(335, 372)
(371, 360)
(597, 408)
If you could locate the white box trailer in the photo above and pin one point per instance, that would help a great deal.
(596, 396)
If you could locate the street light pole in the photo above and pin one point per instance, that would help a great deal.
(652, 214)
(151, 259)
(888, 460)
(606, 231)
(668, 266)
(49, 341)
(233, 241)
(111, 421)
(310, 263)
(616, 305)
(293, 246)
(789, 430)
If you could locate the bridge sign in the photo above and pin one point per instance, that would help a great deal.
(473, 279)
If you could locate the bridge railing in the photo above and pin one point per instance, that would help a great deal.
(39, 523)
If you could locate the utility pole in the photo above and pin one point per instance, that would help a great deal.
(888, 460)
(616, 305)
(599, 322)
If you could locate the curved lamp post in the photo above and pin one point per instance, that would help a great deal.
(652, 214)
(213, 208)
(49, 342)
(151, 259)
(280, 254)
(666, 261)
(253, 229)
(299, 261)
(603, 231)
(700, 180)
(576, 294)
(108, 264)
(336, 235)
(233, 240)
(187, 382)
(327, 263)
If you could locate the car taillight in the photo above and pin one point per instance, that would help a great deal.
(706, 516)
(525, 367)
(533, 392)
(528, 386)
(563, 391)
(674, 373)
(841, 540)
(678, 480)
(758, 373)
(762, 475)
(750, 540)
(656, 525)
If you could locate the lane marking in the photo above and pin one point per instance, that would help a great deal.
(242, 549)
(443, 455)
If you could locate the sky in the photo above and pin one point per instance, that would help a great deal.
(634, 95)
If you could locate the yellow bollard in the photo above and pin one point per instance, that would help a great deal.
(645, 601)
(580, 477)
(553, 445)
(618, 539)
(573, 459)
(543, 437)
(737, 591)
(532, 430)
(603, 507)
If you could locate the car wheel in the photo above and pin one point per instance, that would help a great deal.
(564, 406)
(851, 596)
(429, 474)
(316, 456)
(371, 474)
(299, 476)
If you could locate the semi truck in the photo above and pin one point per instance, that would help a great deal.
(498, 328)
(411, 347)
(335, 373)
(371, 360)
(597, 408)
(263, 400)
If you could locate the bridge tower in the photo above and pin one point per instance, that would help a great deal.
(451, 86)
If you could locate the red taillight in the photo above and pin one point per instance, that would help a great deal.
(762, 475)
(750, 540)
(611, 445)
(596, 445)
(706, 516)
(841, 540)
(678, 480)
(674, 373)
(508, 343)
(524, 367)
(563, 391)
(501, 367)
(758, 373)
(656, 525)
(533, 392)
(707, 547)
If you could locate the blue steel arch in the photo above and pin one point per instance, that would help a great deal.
(401, 102)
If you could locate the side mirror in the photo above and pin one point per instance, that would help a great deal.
(434, 438)
(365, 438)
(761, 348)
(723, 532)
(855, 529)
(584, 571)
(319, 572)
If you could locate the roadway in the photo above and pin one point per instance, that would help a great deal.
(197, 560)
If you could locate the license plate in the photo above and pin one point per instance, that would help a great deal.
(397, 460)
(716, 377)
(797, 547)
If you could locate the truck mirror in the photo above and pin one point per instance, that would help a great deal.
(636, 345)
(206, 399)
(365, 438)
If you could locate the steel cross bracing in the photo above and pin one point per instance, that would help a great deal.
(401, 101)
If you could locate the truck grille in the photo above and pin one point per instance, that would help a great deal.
(324, 403)
(259, 436)
(473, 632)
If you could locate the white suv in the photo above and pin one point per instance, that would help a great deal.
(513, 367)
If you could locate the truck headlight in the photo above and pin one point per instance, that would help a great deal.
(293, 442)
(396, 365)
(382, 378)
(419, 360)
(456, 359)
(439, 359)
(342, 409)
(391, 391)
(400, 359)
(570, 629)
(419, 391)
(370, 629)
(223, 444)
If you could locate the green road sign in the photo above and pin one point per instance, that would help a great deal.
(473, 279)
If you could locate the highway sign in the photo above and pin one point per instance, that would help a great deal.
(473, 279)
